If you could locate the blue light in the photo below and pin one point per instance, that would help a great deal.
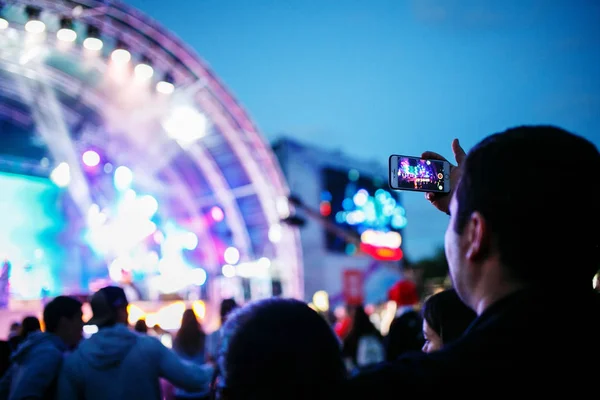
(350, 249)
(353, 175)
(325, 196)
(399, 222)
(347, 204)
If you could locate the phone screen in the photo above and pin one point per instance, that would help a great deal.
(414, 173)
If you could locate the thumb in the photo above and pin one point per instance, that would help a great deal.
(459, 153)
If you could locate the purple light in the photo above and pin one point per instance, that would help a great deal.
(217, 214)
(91, 158)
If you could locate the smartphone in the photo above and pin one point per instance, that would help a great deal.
(417, 174)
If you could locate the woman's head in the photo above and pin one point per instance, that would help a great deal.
(361, 321)
(190, 337)
(278, 348)
(445, 319)
(227, 307)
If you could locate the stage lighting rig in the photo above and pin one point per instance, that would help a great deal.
(121, 54)
(66, 33)
(166, 85)
(34, 24)
(92, 41)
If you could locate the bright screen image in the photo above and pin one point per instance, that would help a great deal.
(31, 223)
(362, 205)
(414, 173)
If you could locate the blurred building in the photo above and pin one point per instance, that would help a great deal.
(351, 223)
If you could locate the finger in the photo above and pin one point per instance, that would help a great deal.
(431, 196)
(459, 152)
(430, 155)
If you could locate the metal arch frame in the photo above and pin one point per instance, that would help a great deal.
(64, 83)
(94, 98)
(259, 163)
(217, 90)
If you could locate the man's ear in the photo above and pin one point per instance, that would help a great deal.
(476, 237)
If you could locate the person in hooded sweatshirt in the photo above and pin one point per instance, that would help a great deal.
(117, 363)
(37, 361)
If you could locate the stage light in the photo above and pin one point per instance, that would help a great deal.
(61, 175)
(166, 86)
(275, 233)
(263, 263)
(217, 214)
(189, 241)
(120, 54)
(92, 42)
(148, 205)
(321, 300)
(231, 255)
(361, 197)
(3, 24)
(34, 25)
(123, 178)
(185, 124)
(91, 158)
(66, 33)
(228, 271)
(143, 71)
(197, 276)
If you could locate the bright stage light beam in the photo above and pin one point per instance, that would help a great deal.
(35, 26)
(93, 44)
(3, 24)
(148, 205)
(143, 72)
(123, 178)
(185, 125)
(91, 158)
(231, 256)
(165, 87)
(61, 175)
(120, 56)
(217, 214)
(66, 35)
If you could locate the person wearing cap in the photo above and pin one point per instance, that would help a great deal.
(118, 363)
(36, 362)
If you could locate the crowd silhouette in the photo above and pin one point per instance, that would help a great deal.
(514, 321)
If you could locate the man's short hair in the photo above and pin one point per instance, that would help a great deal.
(279, 348)
(61, 306)
(537, 188)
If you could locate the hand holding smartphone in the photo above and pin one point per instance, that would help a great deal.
(419, 174)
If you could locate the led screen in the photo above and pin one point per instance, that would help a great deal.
(31, 223)
(362, 205)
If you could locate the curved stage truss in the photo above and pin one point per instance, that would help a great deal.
(64, 96)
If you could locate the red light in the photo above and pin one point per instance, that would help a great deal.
(325, 208)
(382, 253)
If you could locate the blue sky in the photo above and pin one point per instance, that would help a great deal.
(399, 76)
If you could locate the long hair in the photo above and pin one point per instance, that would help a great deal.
(361, 326)
(190, 338)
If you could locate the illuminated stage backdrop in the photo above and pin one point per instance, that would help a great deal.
(169, 181)
(31, 226)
